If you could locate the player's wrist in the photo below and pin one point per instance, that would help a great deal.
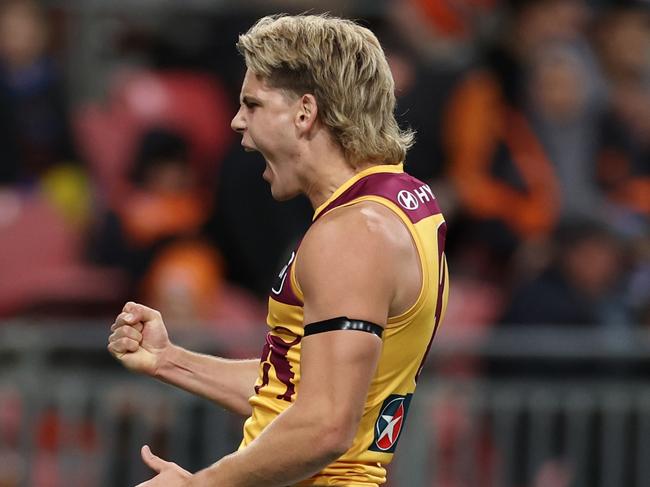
(165, 360)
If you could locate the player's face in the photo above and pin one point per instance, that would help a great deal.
(265, 121)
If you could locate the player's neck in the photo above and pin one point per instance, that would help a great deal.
(325, 170)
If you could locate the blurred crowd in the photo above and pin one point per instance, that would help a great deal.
(533, 130)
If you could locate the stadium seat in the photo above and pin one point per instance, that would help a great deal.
(192, 104)
(40, 258)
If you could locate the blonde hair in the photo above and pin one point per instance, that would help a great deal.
(343, 65)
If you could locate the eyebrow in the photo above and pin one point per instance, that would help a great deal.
(248, 100)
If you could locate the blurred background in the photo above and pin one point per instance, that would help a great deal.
(120, 180)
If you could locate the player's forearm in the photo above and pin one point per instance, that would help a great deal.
(292, 448)
(229, 383)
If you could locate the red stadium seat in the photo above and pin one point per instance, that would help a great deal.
(39, 259)
(194, 105)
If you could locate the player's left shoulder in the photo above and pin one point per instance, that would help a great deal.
(366, 225)
(347, 265)
(365, 237)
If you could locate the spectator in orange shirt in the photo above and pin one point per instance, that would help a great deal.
(499, 166)
(164, 204)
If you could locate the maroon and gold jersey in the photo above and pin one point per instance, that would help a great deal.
(406, 338)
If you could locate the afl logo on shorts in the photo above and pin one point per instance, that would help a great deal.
(390, 422)
(407, 200)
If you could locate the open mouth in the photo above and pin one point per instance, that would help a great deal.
(248, 148)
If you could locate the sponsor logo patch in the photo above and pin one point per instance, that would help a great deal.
(407, 200)
(390, 422)
(411, 200)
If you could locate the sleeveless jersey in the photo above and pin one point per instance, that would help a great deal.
(406, 338)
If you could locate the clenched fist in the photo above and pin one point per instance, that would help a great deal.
(139, 339)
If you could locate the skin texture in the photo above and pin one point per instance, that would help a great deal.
(140, 342)
(357, 261)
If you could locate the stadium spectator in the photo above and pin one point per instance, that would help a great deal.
(582, 286)
(564, 103)
(156, 234)
(37, 146)
(421, 88)
(164, 204)
(35, 127)
(504, 176)
(622, 36)
(442, 32)
(623, 41)
(186, 281)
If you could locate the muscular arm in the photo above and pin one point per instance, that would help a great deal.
(140, 342)
(346, 268)
(226, 382)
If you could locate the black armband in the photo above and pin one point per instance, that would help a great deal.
(343, 323)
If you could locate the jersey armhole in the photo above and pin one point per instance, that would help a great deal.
(424, 284)
(424, 269)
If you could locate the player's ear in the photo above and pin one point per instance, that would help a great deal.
(307, 112)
